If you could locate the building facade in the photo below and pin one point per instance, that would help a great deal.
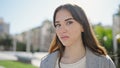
(4, 27)
(39, 38)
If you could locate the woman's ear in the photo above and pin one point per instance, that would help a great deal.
(82, 29)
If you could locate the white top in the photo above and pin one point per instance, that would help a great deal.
(79, 64)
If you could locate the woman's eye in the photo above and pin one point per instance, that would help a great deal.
(57, 25)
(69, 22)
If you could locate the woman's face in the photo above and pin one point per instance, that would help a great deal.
(68, 29)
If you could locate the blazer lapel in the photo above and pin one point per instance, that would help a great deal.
(51, 61)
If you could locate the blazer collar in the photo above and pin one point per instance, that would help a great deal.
(51, 60)
(91, 60)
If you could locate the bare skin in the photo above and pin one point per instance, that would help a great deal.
(69, 32)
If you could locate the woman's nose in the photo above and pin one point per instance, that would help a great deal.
(63, 29)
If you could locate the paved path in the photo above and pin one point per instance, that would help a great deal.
(35, 57)
(7, 56)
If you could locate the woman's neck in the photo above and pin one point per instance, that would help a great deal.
(73, 53)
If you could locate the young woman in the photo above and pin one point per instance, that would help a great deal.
(75, 45)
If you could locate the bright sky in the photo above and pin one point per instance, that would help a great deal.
(23, 15)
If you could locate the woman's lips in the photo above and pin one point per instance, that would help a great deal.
(64, 37)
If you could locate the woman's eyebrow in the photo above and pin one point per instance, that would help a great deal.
(56, 22)
(68, 19)
(64, 20)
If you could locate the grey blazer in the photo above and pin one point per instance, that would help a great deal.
(92, 60)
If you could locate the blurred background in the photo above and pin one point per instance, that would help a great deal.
(26, 29)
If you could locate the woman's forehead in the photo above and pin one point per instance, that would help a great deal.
(63, 15)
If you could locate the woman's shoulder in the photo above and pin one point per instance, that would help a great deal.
(103, 60)
(107, 61)
(49, 56)
(49, 60)
(97, 56)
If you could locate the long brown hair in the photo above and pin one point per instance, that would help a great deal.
(88, 37)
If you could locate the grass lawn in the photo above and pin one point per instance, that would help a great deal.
(15, 64)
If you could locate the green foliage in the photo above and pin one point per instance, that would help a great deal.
(104, 36)
(21, 46)
(6, 42)
(15, 64)
(118, 40)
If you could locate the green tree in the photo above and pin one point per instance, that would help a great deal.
(21, 46)
(104, 36)
(6, 42)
